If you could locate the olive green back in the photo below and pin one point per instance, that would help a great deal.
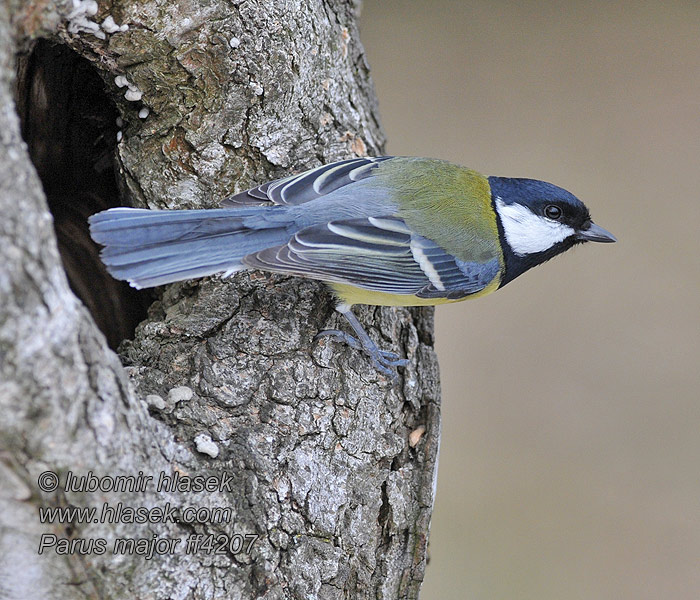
(446, 203)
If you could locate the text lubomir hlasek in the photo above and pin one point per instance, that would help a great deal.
(176, 482)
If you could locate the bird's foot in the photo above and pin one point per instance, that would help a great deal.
(382, 360)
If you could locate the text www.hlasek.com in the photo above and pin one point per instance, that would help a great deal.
(127, 514)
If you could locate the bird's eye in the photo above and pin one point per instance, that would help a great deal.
(552, 211)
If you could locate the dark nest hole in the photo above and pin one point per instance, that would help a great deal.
(69, 125)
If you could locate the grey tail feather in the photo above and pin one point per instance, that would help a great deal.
(155, 247)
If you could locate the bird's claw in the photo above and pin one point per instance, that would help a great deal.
(341, 336)
(393, 359)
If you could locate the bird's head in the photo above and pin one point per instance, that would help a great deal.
(537, 221)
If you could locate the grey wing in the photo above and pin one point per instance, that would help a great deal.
(379, 254)
(309, 185)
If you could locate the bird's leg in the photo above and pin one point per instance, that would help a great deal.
(383, 360)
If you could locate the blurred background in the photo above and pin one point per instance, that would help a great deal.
(570, 458)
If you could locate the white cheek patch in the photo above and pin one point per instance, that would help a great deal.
(526, 232)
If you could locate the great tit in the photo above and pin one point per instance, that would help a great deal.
(395, 231)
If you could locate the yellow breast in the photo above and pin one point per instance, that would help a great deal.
(350, 294)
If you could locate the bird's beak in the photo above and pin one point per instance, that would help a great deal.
(595, 233)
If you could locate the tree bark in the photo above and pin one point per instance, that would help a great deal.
(326, 467)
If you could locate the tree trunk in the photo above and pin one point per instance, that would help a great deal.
(322, 468)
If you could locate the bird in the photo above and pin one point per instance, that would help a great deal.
(390, 231)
